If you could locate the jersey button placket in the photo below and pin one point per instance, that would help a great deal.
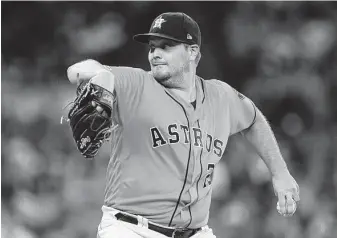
(194, 159)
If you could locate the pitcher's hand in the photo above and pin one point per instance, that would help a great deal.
(287, 191)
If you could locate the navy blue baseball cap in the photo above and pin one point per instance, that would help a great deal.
(176, 26)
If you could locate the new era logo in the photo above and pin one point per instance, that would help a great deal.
(189, 37)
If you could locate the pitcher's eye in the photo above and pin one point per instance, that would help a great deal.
(151, 48)
(169, 44)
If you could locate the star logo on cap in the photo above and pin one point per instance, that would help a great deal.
(158, 22)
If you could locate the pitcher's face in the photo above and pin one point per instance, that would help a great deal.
(167, 59)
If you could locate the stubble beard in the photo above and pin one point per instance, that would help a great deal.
(174, 79)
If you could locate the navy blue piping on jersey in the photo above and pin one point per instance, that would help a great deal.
(189, 209)
(197, 188)
(200, 174)
(203, 89)
(188, 161)
(254, 119)
(202, 150)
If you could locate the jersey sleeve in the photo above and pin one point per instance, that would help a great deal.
(242, 111)
(128, 88)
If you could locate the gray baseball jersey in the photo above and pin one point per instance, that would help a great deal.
(164, 150)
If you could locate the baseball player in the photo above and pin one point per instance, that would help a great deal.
(172, 130)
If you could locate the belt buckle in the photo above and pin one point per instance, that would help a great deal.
(178, 229)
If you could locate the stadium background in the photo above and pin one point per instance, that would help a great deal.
(283, 55)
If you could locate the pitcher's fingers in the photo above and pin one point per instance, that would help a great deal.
(290, 204)
(104, 113)
(77, 76)
(99, 109)
(282, 202)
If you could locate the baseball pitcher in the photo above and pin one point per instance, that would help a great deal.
(168, 129)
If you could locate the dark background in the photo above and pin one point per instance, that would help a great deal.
(282, 55)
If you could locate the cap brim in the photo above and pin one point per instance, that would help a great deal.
(144, 38)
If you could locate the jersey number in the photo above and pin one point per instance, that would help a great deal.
(209, 176)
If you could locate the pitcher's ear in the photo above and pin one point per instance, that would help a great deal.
(194, 51)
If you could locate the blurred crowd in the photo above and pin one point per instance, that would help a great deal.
(282, 55)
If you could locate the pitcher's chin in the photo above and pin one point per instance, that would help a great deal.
(160, 76)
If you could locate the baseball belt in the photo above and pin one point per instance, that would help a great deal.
(170, 232)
